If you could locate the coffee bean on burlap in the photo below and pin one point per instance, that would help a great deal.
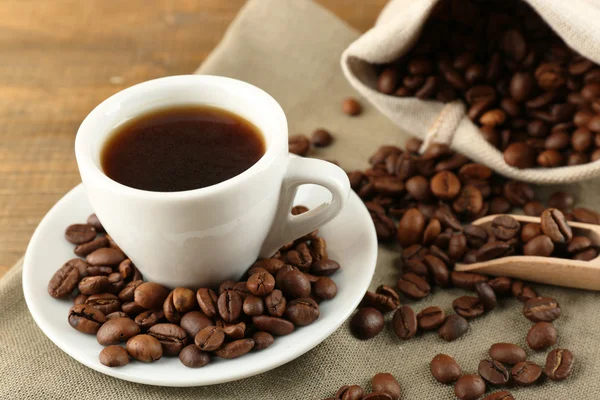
(526, 373)
(386, 383)
(405, 322)
(541, 336)
(468, 307)
(431, 318)
(413, 286)
(522, 291)
(353, 392)
(445, 369)
(469, 387)
(559, 364)
(192, 357)
(453, 327)
(144, 348)
(501, 285)
(502, 395)
(366, 323)
(541, 309)
(507, 353)
(486, 295)
(466, 280)
(114, 356)
(493, 372)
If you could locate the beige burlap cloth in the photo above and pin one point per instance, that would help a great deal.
(292, 50)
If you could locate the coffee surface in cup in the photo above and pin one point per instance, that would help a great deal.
(181, 148)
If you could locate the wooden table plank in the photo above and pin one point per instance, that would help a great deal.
(60, 58)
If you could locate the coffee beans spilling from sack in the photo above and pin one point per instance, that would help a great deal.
(534, 98)
(112, 301)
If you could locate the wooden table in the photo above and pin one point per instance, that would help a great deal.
(60, 58)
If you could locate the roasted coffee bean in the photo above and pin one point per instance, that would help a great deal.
(324, 267)
(505, 227)
(84, 249)
(80, 299)
(439, 253)
(445, 185)
(518, 193)
(262, 340)
(144, 348)
(105, 256)
(93, 284)
(413, 286)
(117, 330)
(64, 281)
(578, 244)
(476, 236)
(457, 247)
(522, 291)
(501, 285)
(555, 226)
(366, 323)
(453, 327)
(207, 300)
(468, 307)
(116, 283)
(299, 144)
(253, 305)
(324, 288)
(541, 309)
(114, 356)
(411, 227)
(233, 330)
(447, 219)
(127, 293)
(209, 338)
(431, 318)
(132, 309)
(520, 155)
(499, 205)
(149, 318)
(493, 372)
(526, 373)
(437, 270)
(275, 303)
(353, 392)
(321, 138)
(405, 322)
(193, 322)
(150, 295)
(469, 201)
(261, 283)
(295, 285)
(271, 265)
(386, 383)
(502, 395)
(507, 353)
(559, 364)
(86, 318)
(529, 231)
(300, 257)
(80, 233)
(486, 295)
(541, 336)
(432, 230)
(540, 246)
(230, 305)
(493, 250)
(302, 311)
(273, 325)
(235, 349)
(417, 267)
(351, 107)
(445, 369)
(95, 222)
(192, 357)
(171, 337)
(469, 387)
(535, 208)
(466, 280)
(586, 255)
(105, 302)
(170, 312)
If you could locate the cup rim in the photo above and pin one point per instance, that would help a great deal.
(84, 133)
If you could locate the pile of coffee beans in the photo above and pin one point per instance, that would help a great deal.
(533, 97)
(112, 301)
(384, 387)
(507, 365)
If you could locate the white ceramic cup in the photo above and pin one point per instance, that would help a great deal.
(201, 237)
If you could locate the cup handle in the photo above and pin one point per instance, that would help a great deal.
(287, 227)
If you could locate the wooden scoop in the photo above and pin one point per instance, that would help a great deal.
(553, 271)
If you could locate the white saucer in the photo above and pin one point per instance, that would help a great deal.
(351, 240)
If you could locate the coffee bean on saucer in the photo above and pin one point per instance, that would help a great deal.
(132, 309)
(454, 327)
(274, 325)
(262, 340)
(93, 284)
(405, 322)
(86, 318)
(144, 348)
(80, 233)
(117, 330)
(555, 226)
(149, 318)
(502, 395)
(299, 144)
(253, 305)
(114, 356)
(84, 249)
(95, 222)
(351, 107)
(116, 283)
(192, 357)
(80, 299)
(386, 383)
(64, 281)
(526, 373)
(366, 323)
(275, 303)
(207, 300)
(230, 305)
(150, 295)
(171, 337)
(324, 288)
(541, 336)
(469, 387)
(235, 349)
(431, 318)
(324, 267)
(321, 138)
(559, 364)
(303, 311)
(468, 307)
(261, 283)
(105, 256)
(493, 372)
(445, 369)
(295, 284)
(105, 302)
(127, 293)
(541, 309)
(300, 257)
(507, 353)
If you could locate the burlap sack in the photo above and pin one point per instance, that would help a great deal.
(397, 29)
(291, 49)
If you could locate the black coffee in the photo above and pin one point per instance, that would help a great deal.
(181, 148)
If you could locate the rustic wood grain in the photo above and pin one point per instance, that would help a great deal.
(60, 58)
